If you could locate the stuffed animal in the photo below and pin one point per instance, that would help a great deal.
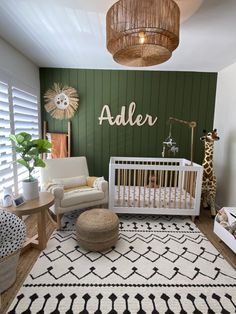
(221, 216)
(222, 219)
(233, 229)
(152, 181)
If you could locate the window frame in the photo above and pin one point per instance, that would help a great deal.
(15, 83)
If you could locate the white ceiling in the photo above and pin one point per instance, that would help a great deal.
(71, 33)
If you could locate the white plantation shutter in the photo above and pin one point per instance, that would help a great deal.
(25, 109)
(26, 119)
(18, 113)
(6, 166)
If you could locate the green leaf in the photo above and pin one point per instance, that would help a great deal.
(13, 138)
(33, 151)
(20, 138)
(23, 163)
(19, 149)
(30, 150)
(39, 163)
(26, 137)
(42, 145)
(26, 158)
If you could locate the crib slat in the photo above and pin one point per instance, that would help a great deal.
(123, 187)
(134, 186)
(118, 186)
(175, 187)
(165, 176)
(160, 186)
(191, 188)
(154, 198)
(170, 188)
(149, 196)
(129, 171)
(186, 189)
(139, 183)
(144, 187)
(180, 188)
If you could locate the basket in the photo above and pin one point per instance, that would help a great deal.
(8, 266)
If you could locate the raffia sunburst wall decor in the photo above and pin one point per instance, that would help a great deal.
(61, 102)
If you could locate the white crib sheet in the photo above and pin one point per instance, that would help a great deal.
(165, 197)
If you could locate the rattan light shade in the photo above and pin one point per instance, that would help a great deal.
(142, 32)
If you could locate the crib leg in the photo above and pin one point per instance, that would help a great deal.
(193, 218)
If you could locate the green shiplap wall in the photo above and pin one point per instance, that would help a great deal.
(184, 95)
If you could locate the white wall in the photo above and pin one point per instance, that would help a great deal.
(16, 67)
(225, 149)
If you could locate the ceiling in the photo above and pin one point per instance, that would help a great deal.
(72, 34)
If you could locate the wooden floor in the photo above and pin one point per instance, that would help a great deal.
(29, 257)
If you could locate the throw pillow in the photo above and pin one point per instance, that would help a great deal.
(97, 182)
(90, 181)
(70, 182)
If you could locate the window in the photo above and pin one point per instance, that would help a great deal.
(6, 169)
(18, 113)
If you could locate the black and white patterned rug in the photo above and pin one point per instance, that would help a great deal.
(159, 265)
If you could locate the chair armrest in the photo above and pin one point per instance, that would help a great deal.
(103, 186)
(58, 192)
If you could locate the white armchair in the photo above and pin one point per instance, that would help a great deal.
(69, 181)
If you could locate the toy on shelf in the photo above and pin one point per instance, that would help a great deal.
(222, 218)
(225, 226)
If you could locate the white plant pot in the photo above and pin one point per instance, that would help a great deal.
(30, 190)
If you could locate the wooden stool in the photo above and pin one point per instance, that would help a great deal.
(97, 229)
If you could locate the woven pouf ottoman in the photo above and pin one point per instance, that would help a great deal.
(97, 229)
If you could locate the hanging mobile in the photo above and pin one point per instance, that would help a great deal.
(170, 146)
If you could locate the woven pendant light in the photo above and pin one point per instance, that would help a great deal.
(142, 32)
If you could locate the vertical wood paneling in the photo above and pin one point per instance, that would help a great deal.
(163, 116)
(90, 118)
(115, 108)
(155, 111)
(130, 96)
(147, 83)
(57, 78)
(137, 141)
(80, 139)
(184, 95)
(98, 101)
(106, 99)
(195, 106)
(73, 82)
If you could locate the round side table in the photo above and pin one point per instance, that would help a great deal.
(40, 207)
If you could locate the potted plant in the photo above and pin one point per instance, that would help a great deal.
(29, 151)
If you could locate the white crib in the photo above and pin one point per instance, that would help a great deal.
(163, 186)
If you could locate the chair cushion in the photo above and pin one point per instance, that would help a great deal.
(79, 196)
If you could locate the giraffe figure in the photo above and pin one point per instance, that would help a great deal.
(209, 178)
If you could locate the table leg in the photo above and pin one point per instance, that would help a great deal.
(42, 237)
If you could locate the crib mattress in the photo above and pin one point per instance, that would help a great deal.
(164, 197)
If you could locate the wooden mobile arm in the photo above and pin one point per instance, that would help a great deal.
(192, 125)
